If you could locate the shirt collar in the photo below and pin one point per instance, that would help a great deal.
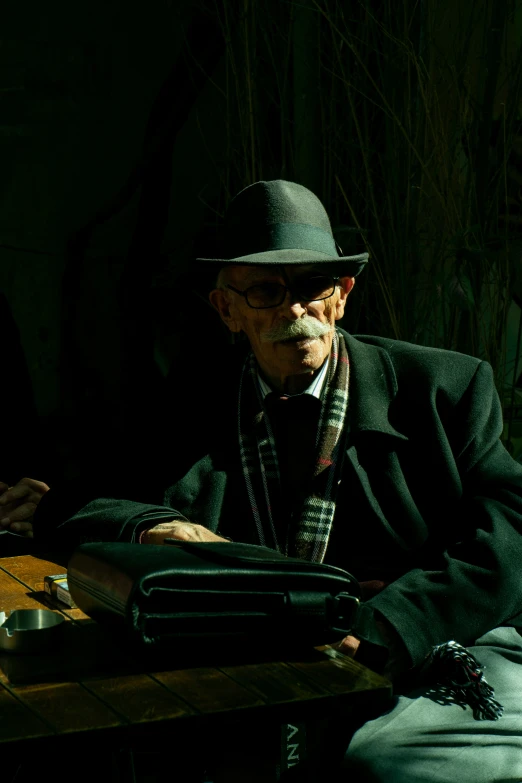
(315, 388)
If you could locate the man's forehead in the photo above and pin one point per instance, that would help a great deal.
(253, 273)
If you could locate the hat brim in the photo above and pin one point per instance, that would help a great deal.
(350, 265)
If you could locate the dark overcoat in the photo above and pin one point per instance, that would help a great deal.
(430, 501)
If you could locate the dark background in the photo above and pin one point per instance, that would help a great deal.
(125, 129)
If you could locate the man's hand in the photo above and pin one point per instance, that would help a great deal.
(179, 529)
(18, 504)
(399, 661)
(348, 646)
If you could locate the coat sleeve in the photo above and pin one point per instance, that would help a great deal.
(68, 516)
(477, 582)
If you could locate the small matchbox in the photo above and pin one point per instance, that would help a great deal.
(58, 588)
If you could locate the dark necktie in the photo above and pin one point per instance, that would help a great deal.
(295, 421)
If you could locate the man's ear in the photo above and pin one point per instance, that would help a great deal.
(346, 285)
(220, 302)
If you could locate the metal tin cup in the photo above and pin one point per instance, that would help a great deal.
(29, 630)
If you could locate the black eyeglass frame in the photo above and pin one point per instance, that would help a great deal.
(292, 289)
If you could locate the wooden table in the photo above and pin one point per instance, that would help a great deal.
(99, 696)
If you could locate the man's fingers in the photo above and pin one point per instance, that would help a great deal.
(185, 532)
(25, 488)
(348, 646)
(17, 492)
(38, 486)
(188, 531)
(22, 528)
(4, 490)
(180, 531)
(20, 513)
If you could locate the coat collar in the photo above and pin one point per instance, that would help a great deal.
(373, 387)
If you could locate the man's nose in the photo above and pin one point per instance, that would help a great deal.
(293, 306)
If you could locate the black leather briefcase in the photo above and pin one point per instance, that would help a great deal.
(212, 591)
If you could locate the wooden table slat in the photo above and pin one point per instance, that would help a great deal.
(139, 698)
(31, 571)
(14, 595)
(17, 721)
(68, 707)
(340, 674)
(208, 690)
(275, 682)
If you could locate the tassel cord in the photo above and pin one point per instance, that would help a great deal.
(459, 677)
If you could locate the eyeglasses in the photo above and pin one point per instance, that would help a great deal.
(308, 289)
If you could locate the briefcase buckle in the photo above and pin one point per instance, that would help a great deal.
(346, 607)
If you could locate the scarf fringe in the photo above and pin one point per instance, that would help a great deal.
(460, 681)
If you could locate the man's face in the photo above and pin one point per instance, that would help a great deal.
(291, 341)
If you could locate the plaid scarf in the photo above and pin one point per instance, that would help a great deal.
(311, 533)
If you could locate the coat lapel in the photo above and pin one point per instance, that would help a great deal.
(373, 387)
(376, 445)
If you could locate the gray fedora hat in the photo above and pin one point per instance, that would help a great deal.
(281, 222)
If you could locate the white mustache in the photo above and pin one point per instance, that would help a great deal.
(303, 327)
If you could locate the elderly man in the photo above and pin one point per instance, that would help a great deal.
(367, 453)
